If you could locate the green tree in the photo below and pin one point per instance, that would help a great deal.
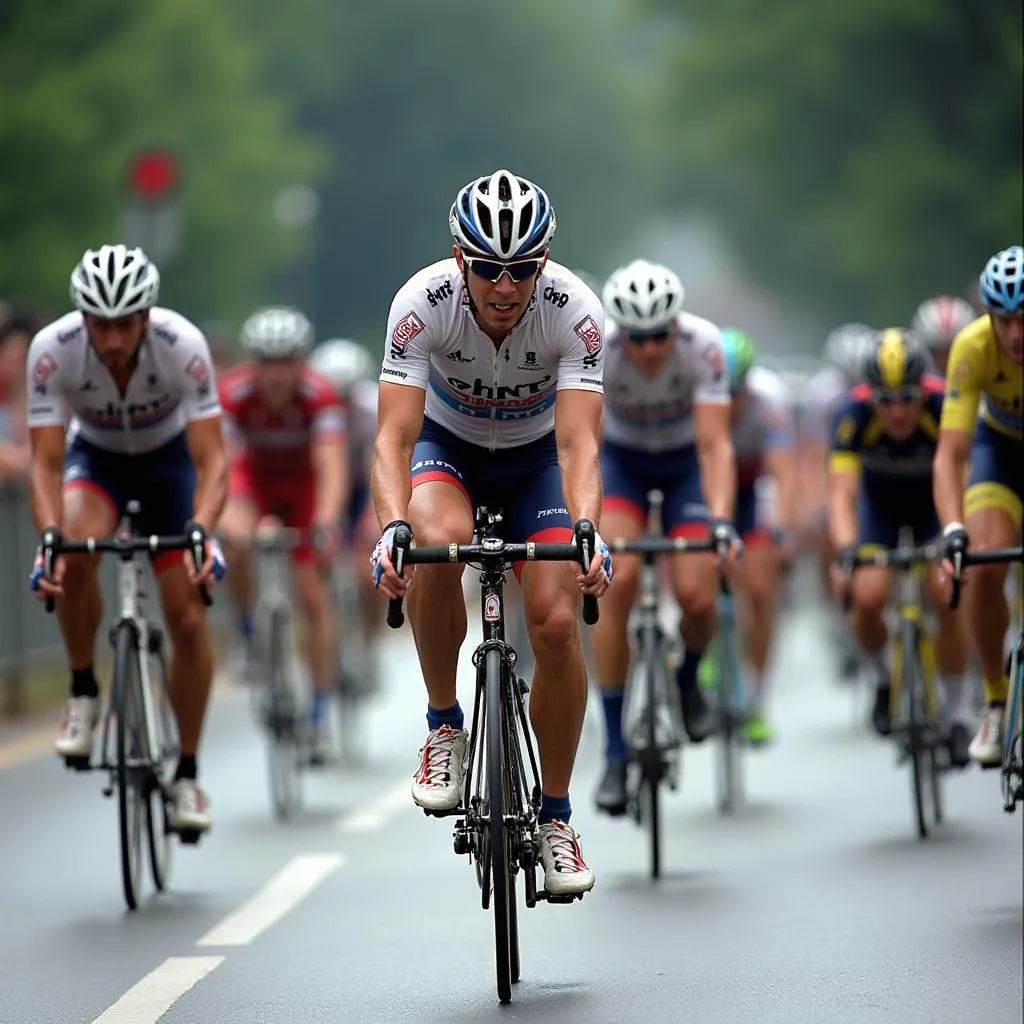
(859, 156)
(412, 104)
(85, 89)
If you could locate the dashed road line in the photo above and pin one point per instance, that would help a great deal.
(149, 999)
(377, 812)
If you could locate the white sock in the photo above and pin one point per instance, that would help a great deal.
(959, 696)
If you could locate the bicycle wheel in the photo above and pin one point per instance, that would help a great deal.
(283, 748)
(130, 772)
(513, 805)
(496, 786)
(165, 754)
(650, 763)
(1013, 738)
(728, 725)
(910, 683)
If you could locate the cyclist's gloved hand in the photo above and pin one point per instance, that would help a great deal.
(954, 542)
(216, 554)
(605, 555)
(39, 584)
(36, 575)
(384, 546)
(725, 538)
(214, 562)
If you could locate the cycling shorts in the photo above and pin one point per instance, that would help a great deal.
(162, 481)
(881, 520)
(997, 474)
(524, 482)
(630, 474)
(293, 501)
(358, 506)
(749, 518)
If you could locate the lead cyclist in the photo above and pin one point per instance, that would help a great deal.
(491, 391)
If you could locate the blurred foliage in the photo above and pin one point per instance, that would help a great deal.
(82, 86)
(411, 101)
(858, 155)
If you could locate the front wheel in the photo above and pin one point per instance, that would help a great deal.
(165, 755)
(498, 843)
(132, 760)
(284, 749)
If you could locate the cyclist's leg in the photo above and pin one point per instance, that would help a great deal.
(993, 515)
(695, 583)
(624, 515)
(90, 509)
(440, 512)
(238, 523)
(758, 579)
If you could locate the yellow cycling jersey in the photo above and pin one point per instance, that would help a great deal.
(980, 372)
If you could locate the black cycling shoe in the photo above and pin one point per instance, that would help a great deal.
(881, 720)
(611, 793)
(958, 742)
(698, 719)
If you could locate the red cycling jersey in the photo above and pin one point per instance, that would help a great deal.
(274, 469)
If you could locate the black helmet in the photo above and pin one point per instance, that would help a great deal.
(899, 359)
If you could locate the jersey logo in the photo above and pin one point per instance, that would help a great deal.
(714, 357)
(590, 334)
(196, 369)
(42, 371)
(440, 294)
(845, 431)
(405, 330)
(560, 299)
(458, 357)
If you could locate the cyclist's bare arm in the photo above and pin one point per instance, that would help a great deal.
(206, 449)
(949, 472)
(577, 435)
(716, 456)
(399, 421)
(781, 466)
(843, 492)
(330, 471)
(45, 473)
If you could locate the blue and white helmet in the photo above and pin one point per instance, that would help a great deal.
(504, 216)
(1002, 281)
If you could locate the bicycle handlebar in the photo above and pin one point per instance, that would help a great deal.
(125, 545)
(668, 546)
(967, 558)
(490, 549)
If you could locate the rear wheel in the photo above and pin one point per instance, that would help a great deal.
(131, 770)
(164, 758)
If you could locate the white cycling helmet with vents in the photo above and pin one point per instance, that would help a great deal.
(502, 216)
(344, 363)
(643, 296)
(114, 281)
(938, 321)
(848, 346)
(277, 332)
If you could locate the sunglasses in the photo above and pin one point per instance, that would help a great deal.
(491, 270)
(896, 396)
(639, 337)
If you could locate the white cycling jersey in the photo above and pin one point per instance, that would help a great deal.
(825, 390)
(763, 421)
(496, 396)
(655, 414)
(172, 385)
(362, 430)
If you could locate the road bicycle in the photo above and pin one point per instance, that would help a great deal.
(497, 826)
(140, 743)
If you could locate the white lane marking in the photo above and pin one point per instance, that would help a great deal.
(376, 813)
(289, 887)
(148, 1000)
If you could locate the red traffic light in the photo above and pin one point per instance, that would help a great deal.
(154, 174)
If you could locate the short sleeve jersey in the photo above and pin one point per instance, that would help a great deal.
(495, 396)
(173, 384)
(763, 424)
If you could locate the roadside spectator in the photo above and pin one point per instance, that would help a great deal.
(16, 332)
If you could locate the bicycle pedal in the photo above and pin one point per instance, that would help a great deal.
(78, 764)
(443, 814)
(563, 898)
(189, 836)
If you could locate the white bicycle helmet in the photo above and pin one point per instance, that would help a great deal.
(114, 281)
(1002, 281)
(503, 216)
(643, 296)
(848, 346)
(277, 332)
(344, 363)
(938, 321)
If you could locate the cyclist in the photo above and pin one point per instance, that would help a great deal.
(666, 428)
(288, 432)
(845, 350)
(349, 367)
(937, 322)
(491, 390)
(880, 469)
(985, 369)
(762, 436)
(139, 382)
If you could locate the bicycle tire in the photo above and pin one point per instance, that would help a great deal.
(514, 806)
(130, 779)
(496, 786)
(931, 705)
(650, 781)
(1013, 740)
(728, 754)
(283, 749)
(909, 665)
(168, 747)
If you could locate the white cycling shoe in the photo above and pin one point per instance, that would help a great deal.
(565, 871)
(986, 748)
(190, 809)
(74, 738)
(437, 782)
